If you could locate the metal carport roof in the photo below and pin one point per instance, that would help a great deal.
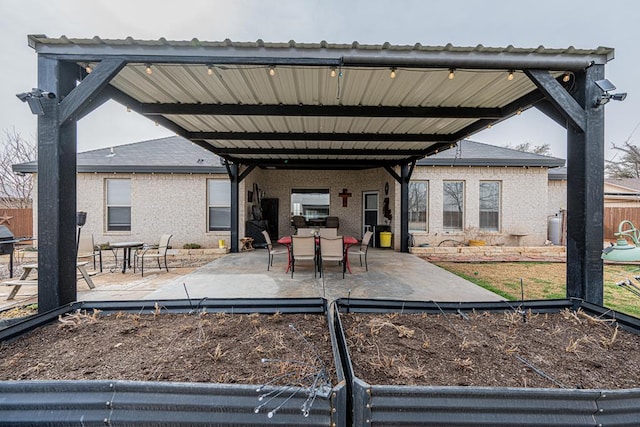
(320, 105)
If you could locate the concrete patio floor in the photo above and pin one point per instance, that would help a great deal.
(391, 275)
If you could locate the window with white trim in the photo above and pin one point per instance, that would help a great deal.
(118, 204)
(453, 205)
(490, 205)
(219, 204)
(418, 205)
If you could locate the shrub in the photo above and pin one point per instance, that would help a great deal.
(191, 246)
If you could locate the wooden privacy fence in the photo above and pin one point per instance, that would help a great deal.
(614, 216)
(19, 221)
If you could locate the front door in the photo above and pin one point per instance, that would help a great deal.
(369, 210)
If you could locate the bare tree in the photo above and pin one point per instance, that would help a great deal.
(629, 164)
(15, 189)
(526, 147)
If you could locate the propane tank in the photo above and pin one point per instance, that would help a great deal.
(554, 229)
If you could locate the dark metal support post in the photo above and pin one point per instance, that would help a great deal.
(56, 190)
(585, 186)
(235, 197)
(405, 171)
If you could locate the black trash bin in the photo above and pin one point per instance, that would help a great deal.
(377, 229)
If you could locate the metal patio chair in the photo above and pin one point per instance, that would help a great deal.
(363, 248)
(153, 252)
(303, 248)
(271, 250)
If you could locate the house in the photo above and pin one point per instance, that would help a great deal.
(141, 190)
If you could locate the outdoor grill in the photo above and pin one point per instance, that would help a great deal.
(7, 240)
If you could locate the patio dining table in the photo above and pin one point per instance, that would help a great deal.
(126, 255)
(348, 241)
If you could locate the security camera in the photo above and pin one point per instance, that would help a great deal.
(619, 96)
(24, 96)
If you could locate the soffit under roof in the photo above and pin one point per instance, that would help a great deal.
(222, 96)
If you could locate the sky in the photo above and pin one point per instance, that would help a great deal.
(584, 24)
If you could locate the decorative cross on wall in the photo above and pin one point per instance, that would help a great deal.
(345, 197)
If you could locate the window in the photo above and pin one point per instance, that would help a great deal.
(219, 202)
(453, 205)
(312, 203)
(118, 204)
(490, 206)
(418, 199)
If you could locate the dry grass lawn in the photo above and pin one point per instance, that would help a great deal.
(542, 280)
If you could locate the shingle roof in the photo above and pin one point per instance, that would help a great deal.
(178, 155)
(165, 155)
(472, 153)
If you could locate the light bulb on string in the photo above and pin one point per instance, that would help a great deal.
(452, 74)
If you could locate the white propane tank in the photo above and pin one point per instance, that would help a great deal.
(554, 229)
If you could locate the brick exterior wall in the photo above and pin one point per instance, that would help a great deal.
(524, 203)
(177, 203)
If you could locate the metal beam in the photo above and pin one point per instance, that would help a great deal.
(246, 172)
(317, 151)
(393, 174)
(559, 97)
(89, 87)
(56, 190)
(404, 206)
(585, 189)
(549, 110)
(235, 205)
(303, 136)
(319, 111)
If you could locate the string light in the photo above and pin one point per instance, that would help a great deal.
(272, 70)
(452, 74)
(333, 72)
(392, 74)
(128, 109)
(566, 77)
(210, 70)
(489, 126)
(88, 68)
(510, 76)
(148, 69)
(519, 111)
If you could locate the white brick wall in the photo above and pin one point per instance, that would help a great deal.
(523, 198)
(177, 203)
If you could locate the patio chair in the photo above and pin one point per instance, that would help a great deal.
(150, 252)
(303, 248)
(271, 250)
(87, 248)
(363, 248)
(331, 249)
(333, 222)
(328, 232)
(299, 221)
(305, 231)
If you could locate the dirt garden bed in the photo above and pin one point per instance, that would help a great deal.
(279, 349)
(511, 349)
